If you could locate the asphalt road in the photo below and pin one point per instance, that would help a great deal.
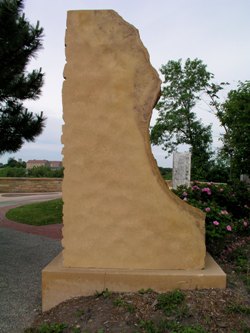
(22, 258)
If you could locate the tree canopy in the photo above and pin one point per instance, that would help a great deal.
(20, 41)
(13, 163)
(177, 122)
(234, 115)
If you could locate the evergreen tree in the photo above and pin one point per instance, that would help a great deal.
(19, 42)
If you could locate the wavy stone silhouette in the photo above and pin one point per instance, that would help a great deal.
(118, 211)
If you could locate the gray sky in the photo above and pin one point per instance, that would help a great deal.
(215, 31)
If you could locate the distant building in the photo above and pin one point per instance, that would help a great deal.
(37, 163)
(55, 165)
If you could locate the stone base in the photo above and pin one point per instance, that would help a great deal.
(60, 283)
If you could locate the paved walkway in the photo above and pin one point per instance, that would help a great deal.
(24, 251)
(9, 201)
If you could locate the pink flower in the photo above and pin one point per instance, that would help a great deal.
(184, 194)
(224, 212)
(216, 223)
(207, 209)
(229, 228)
(245, 223)
(207, 190)
(185, 199)
(195, 187)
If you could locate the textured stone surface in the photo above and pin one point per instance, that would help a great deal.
(29, 185)
(118, 211)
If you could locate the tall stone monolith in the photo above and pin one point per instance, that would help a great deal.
(118, 211)
(123, 229)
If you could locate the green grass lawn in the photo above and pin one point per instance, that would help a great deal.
(42, 213)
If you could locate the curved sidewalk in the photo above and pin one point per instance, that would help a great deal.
(9, 201)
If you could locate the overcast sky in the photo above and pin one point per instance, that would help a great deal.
(215, 31)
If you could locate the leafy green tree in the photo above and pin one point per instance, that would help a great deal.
(219, 170)
(177, 122)
(13, 163)
(234, 116)
(20, 41)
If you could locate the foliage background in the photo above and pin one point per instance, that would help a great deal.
(227, 209)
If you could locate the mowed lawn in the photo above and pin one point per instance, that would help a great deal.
(42, 213)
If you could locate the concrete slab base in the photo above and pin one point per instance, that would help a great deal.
(60, 283)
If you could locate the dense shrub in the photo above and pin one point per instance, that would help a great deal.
(226, 207)
(12, 172)
(219, 173)
(43, 171)
(35, 172)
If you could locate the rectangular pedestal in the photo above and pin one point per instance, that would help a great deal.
(60, 283)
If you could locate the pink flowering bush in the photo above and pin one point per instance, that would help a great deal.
(227, 209)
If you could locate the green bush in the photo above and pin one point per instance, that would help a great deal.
(35, 172)
(226, 207)
(166, 173)
(219, 173)
(12, 172)
(43, 171)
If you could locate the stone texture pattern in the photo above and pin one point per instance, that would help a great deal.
(118, 211)
(29, 185)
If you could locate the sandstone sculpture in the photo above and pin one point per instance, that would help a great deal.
(118, 211)
(123, 229)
